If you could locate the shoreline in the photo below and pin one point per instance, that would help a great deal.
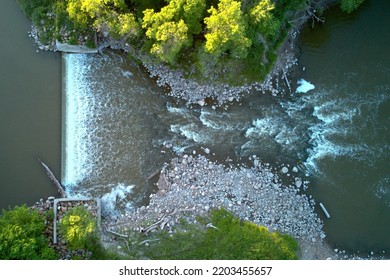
(192, 185)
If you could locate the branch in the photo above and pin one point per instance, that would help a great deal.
(148, 240)
(285, 78)
(53, 178)
(117, 234)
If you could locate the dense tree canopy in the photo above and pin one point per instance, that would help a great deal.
(265, 21)
(171, 28)
(204, 32)
(226, 28)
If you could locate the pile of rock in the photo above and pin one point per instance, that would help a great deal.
(192, 186)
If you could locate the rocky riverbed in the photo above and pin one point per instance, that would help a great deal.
(192, 185)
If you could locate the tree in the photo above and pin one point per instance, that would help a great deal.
(171, 29)
(226, 28)
(85, 11)
(122, 25)
(171, 38)
(265, 22)
(350, 5)
(193, 12)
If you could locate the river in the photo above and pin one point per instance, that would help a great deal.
(30, 112)
(117, 125)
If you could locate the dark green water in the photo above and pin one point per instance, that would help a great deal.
(30, 111)
(348, 60)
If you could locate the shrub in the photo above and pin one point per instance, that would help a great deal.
(78, 227)
(22, 235)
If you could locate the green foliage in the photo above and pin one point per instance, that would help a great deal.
(217, 40)
(350, 5)
(77, 228)
(226, 28)
(263, 19)
(228, 239)
(171, 38)
(170, 30)
(122, 25)
(29, 6)
(22, 235)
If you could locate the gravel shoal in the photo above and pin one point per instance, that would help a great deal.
(193, 185)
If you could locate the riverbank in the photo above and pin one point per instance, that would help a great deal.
(180, 83)
(192, 185)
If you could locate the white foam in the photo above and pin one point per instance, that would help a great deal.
(127, 74)
(117, 196)
(75, 90)
(222, 121)
(304, 86)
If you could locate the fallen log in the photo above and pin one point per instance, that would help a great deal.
(53, 178)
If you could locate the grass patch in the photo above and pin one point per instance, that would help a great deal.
(229, 238)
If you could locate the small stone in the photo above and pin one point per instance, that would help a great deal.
(201, 102)
(295, 169)
(284, 170)
(207, 150)
(207, 208)
(298, 183)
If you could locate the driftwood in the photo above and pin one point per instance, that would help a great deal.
(285, 78)
(148, 240)
(53, 178)
(163, 221)
(151, 227)
(117, 234)
(210, 225)
(153, 174)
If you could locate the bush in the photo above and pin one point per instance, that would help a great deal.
(77, 228)
(22, 235)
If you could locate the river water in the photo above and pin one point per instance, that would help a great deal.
(30, 112)
(117, 125)
(348, 61)
(118, 122)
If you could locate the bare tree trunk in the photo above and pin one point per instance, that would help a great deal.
(53, 178)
